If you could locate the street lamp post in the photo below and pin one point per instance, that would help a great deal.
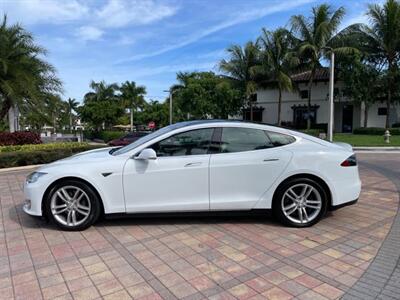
(170, 104)
(331, 91)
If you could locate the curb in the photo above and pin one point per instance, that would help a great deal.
(14, 169)
(376, 148)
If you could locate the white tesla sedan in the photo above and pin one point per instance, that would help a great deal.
(198, 166)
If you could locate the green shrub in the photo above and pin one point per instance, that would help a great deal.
(106, 136)
(376, 131)
(40, 147)
(11, 156)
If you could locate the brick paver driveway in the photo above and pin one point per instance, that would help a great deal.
(193, 258)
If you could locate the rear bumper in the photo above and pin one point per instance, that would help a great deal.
(335, 207)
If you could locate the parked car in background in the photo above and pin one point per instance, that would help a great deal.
(208, 166)
(127, 139)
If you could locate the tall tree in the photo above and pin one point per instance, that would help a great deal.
(201, 95)
(133, 97)
(239, 67)
(101, 91)
(102, 106)
(72, 106)
(381, 40)
(25, 78)
(156, 112)
(316, 35)
(277, 62)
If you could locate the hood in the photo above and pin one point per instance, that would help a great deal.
(87, 156)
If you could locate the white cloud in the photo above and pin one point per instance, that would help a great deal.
(119, 13)
(241, 17)
(44, 11)
(89, 33)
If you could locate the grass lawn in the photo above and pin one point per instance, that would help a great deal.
(366, 140)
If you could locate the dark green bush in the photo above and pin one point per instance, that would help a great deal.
(106, 136)
(24, 158)
(376, 131)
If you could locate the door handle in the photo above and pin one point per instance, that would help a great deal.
(192, 164)
(271, 159)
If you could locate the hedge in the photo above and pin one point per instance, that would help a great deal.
(19, 138)
(45, 147)
(39, 154)
(376, 131)
(106, 136)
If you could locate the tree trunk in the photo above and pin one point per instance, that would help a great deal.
(70, 121)
(11, 119)
(251, 110)
(279, 106)
(309, 99)
(5, 107)
(365, 115)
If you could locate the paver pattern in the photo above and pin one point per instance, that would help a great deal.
(192, 258)
(381, 280)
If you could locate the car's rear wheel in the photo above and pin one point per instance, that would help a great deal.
(300, 202)
(72, 205)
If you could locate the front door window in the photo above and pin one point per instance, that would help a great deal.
(194, 142)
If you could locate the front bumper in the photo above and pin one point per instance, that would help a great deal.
(33, 199)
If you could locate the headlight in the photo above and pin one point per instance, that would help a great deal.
(33, 177)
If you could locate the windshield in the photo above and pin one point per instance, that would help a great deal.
(147, 138)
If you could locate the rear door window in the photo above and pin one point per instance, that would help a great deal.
(236, 139)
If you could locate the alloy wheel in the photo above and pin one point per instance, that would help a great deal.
(301, 203)
(70, 206)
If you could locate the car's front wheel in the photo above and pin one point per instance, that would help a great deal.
(72, 205)
(300, 202)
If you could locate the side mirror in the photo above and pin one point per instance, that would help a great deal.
(146, 154)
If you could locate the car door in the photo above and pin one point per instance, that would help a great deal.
(247, 165)
(177, 180)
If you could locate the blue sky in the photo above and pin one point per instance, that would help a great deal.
(148, 41)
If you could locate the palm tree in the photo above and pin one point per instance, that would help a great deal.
(72, 105)
(102, 97)
(277, 62)
(25, 78)
(101, 91)
(381, 42)
(316, 36)
(133, 97)
(53, 110)
(240, 68)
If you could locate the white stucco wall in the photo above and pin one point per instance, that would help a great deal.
(268, 98)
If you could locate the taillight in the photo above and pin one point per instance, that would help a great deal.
(350, 161)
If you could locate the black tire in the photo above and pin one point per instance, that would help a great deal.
(95, 206)
(277, 206)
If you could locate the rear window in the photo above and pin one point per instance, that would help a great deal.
(280, 139)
